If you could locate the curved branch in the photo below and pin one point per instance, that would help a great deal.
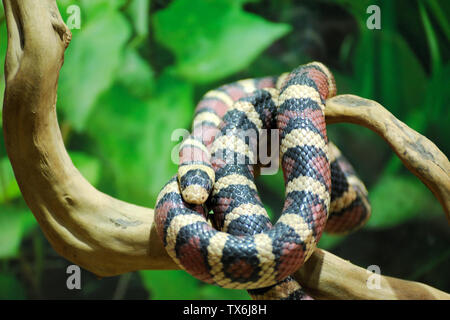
(102, 234)
(99, 233)
(326, 276)
(417, 152)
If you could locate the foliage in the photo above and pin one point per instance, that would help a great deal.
(135, 70)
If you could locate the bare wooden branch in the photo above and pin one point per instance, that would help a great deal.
(326, 276)
(417, 152)
(108, 236)
(95, 231)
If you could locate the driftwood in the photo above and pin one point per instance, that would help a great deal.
(109, 237)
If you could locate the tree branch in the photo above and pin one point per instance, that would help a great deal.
(99, 233)
(110, 237)
(326, 276)
(417, 152)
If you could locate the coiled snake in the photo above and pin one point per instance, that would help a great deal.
(239, 248)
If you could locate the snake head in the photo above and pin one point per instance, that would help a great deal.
(196, 183)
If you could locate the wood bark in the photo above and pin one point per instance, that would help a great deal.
(109, 237)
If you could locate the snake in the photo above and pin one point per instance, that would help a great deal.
(209, 215)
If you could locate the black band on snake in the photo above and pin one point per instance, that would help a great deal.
(240, 248)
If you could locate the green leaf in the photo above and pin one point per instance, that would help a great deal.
(117, 126)
(92, 8)
(135, 135)
(356, 8)
(11, 288)
(14, 223)
(437, 100)
(3, 47)
(91, 61)
(170, 285)
(269, 212)
(227, 40)
(210, 292)
(440, 16)
(171, 109)
(139, 12)
(274, 183)
(136, 74)
(396, 199)
(433, 44)
(377, 58)
(329, 241)
(364, 81)
(9, 189)
(89, 9)
(87, 165)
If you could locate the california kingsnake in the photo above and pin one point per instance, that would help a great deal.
(216, 172)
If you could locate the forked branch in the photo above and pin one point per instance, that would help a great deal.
(110, 237)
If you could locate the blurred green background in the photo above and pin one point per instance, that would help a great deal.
(134, 72)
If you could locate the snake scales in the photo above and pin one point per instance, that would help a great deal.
(239, 248)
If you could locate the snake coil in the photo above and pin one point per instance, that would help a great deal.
(240, 248)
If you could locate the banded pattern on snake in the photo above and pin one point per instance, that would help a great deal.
(240, 248)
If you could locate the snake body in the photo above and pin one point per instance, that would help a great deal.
(240, 248)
